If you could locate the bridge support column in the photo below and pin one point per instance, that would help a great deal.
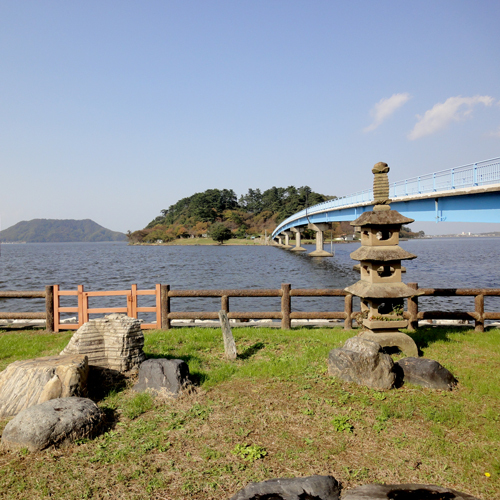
(280, 239)
(298, 237)
(319, 228)
(287, 239)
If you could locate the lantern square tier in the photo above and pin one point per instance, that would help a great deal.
(381, 272)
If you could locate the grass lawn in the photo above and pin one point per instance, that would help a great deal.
(274, 412)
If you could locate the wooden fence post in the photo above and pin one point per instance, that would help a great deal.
(413, 309)
(224, 301)
(83, 305)
(165, 307)
(49, 308)
(348, 312)
(57, 304)
(132, 302)
(479, 309)
(286, 306)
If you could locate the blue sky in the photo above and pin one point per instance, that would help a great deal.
(114, 110)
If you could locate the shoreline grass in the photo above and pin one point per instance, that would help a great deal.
(274, 412)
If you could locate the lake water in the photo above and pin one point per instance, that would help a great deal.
(441, 263)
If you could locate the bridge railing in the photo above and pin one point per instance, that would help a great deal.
(474, 174)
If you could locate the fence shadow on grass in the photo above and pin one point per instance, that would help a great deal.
(250, 351)
(427, 335)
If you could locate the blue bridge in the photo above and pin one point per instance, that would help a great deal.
(470, 193)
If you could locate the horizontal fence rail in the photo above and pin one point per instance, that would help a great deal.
(471, 175)
(164, 313)
(47, 294)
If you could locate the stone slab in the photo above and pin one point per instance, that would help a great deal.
(404, 492)
(33, 381)
(300, 488)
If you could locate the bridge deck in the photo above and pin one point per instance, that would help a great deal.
(464, 194)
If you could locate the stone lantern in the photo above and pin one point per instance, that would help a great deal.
(380, 288)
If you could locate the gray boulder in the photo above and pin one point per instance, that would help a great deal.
(114, 343)
(163, 376)
(300, 488)
(363, 362)
(30, 382)
(53, 423)
(426, 373)
(404, 492)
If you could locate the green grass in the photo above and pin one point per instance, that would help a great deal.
(274, 412)
(30, 344)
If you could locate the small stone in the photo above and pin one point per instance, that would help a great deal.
(426, 373)
(299, 488)
(363, 362)
(163, 376)
(404, 492)
(53, 423)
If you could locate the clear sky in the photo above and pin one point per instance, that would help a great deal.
(114, 110)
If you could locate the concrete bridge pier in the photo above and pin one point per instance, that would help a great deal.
(280, 240)
(287, 239)
(298, 237)
(319, 228)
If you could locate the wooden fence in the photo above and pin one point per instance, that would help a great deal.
(164, 314)
(47, 294)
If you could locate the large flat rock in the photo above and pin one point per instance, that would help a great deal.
(53, 423)
(297, 488)
(404, 492)
(33, 381)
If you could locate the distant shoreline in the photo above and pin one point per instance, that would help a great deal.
(231, 242)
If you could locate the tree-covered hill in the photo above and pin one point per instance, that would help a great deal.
(59, 230)
(251, 215)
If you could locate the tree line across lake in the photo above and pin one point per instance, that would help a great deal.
(220, 215)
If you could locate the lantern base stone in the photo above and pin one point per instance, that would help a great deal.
(392, 339)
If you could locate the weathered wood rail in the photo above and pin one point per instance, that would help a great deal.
(47, 294)
(164, 314)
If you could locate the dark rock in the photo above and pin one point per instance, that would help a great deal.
(362, 361)
(299, 488)
(163, 376)
(53, 423)
(426, 373)
(404, 492)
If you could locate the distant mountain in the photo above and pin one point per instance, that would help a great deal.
(59, 230)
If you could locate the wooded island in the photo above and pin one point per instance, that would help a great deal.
(218, 214)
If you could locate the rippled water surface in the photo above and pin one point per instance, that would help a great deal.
(441, 263)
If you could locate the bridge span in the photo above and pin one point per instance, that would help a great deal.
(469, 193)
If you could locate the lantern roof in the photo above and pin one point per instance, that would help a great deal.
(381, 218)
(381, 253)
